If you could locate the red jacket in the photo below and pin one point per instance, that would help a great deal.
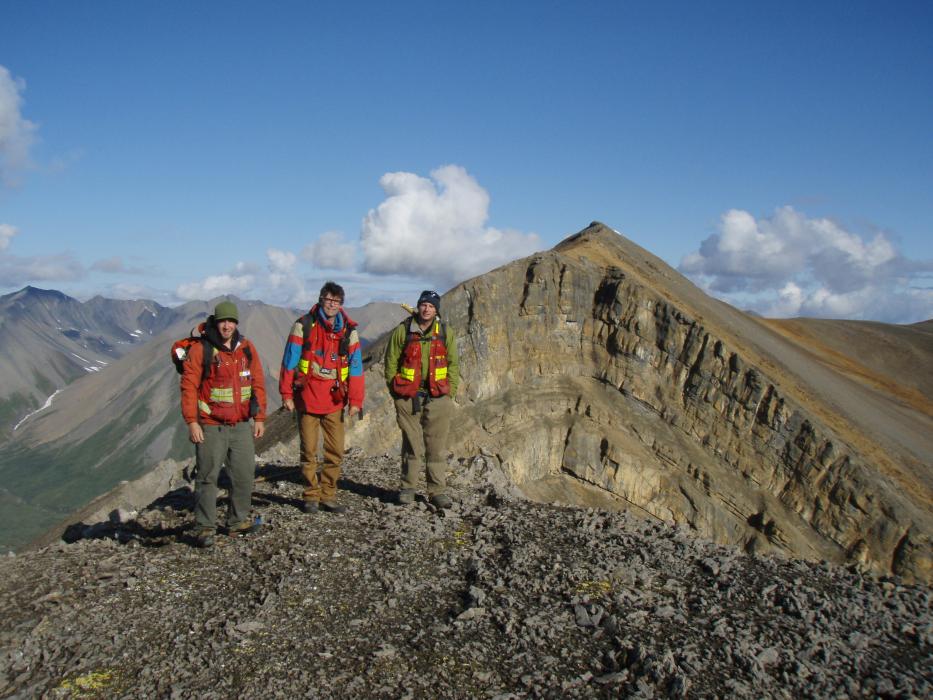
(330, 380)
(224, 397)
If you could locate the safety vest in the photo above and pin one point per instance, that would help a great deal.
(407, 381)
(226, 390)
(327, 368)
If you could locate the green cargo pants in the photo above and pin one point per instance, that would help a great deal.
(424, 442)
(233, 445)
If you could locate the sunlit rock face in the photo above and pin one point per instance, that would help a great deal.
(597, 374)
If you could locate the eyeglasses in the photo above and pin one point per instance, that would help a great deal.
(329, 300)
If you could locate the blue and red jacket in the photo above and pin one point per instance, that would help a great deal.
(322, 372)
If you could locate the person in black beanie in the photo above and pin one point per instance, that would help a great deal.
(422, 371)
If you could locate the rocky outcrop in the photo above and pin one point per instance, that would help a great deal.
(595, 363)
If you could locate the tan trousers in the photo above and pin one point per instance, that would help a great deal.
(424, 442)
(323, 487)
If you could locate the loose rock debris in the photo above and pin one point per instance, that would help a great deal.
(496, 598)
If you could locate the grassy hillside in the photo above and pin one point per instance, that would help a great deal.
(43, 485)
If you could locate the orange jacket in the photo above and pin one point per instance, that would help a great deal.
(224, 396)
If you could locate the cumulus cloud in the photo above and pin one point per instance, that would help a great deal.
(792, 265)
(437, 227)
(330, 252)
(6, 235)
(281, 262)
(16, 134)
(215, 285)
(284, 284)
(277, 283)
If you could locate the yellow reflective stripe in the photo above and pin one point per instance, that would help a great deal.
(344, 373)
(222, 394)
(407, 373)
(245, 393)
(440, 373)
(204, 407)
(303, 366)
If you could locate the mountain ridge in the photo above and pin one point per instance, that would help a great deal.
(597, 364)
(50, 339)
(596, 373)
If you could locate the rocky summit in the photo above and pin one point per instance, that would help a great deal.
(498, 597)
(598, 374)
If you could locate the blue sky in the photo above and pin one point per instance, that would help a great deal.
(780, 154)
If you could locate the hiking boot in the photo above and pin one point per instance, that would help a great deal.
(309, 507)
(333, 507)
(406, 497)
(441, 501)
(204, 538)
(247, 527)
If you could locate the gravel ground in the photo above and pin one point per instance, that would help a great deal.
(497, 598)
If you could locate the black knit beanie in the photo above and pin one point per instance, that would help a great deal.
(432, 298)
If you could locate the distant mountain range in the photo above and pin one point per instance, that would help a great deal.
(48, 340)
(115, 411)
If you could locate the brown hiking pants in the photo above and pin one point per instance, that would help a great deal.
(323, 487)
(424, 442)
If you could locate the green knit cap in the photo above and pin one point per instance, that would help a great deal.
(225, 310)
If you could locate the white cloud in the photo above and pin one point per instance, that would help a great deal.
(281, 261)
(283, 282)
(16, 134)
(216, 285)
(792, 265)
(278, 283)
(437, 229)
(6, 235)
(16, 271)
(330, 252)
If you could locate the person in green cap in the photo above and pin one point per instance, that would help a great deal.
(218, 399)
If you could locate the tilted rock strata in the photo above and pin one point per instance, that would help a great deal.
(597, 361)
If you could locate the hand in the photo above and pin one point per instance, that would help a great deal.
(289, 405)
(258, 429)
(353, 410)
(195, 433)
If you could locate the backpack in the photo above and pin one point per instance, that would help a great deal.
(182, 346)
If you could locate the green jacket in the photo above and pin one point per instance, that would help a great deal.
(397, 344)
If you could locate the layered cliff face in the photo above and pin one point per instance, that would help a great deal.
(597, 374)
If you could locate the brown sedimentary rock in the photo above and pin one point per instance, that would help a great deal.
(597, 363)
